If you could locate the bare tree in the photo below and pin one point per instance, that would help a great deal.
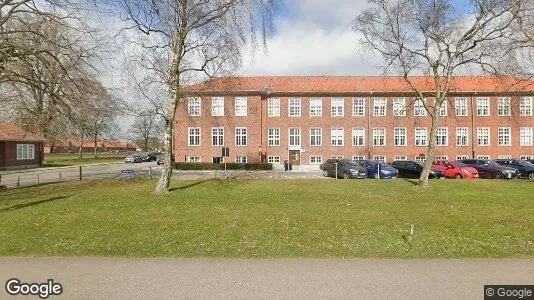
(146, 128)
(431, 37)
(197, 39)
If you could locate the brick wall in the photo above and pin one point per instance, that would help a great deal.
(11, 161)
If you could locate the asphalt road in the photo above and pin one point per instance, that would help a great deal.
(117, 278)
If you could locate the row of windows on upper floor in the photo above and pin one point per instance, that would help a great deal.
(337, 136)
(379, 107)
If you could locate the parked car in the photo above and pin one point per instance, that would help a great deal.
(490, 169)
(149, 157)
(386, 171)
(159, 161)
(526, 169)
(413, 169)
(455, 169)
(345, 169)
(133, 158)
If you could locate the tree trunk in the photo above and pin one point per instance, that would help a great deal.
(423, 180)
(165, 179)
(96, 146)
(80, 150)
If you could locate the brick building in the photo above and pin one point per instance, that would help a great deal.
(310, 119)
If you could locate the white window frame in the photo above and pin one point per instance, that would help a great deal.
(483, 156)
(460, 134)
(525, 106)
(420, 158)
(421, 137)
(337, 137)
(419, 109)
(461, 107)
(316, 137)
(379, 137)
(194, 106)
(381, 158)
(380, 107)
(194, 136)
(460, 157)
(193, 159)
(217, 136)
(504, 156)
(241, 136)
(25, 151)
(294, 135)
(337, 107)
(358, 157)
(526, 136)
(443, 110)
(442, 137)
(525, 157)
(241, 106)
(273, 159)
(273, 137)
(316, 160)
(400, 137)
(504, 136)
(504, 107)
(358, 137)
(399, 107)
(273, 107)
(294, 107)
(316, 107)
(217, 106)
(241, 159)
(483, 107)
(483, 135)
(358, 107)
(401, 157)
(441, 157)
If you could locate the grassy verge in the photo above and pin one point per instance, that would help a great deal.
(64, 160)
(261, 218)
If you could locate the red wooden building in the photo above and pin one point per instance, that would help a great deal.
(19, 149)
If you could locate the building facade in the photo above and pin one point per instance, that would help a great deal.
(19, 149)
(307, 120)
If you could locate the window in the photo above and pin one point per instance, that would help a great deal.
(420, 158)
(399, 107)
(337, 157)
(504, 157)
(442, 137)
(358, 107)
(379, 107)
(273, 137)
(462, 136)
(315, 160)
(525, 136)
(460, 105)
(379, 136)
(193, 105)
(443, 108)
(419, 109)
(217, 136)
(421, 136)
(381, 158)
(25, 151)
(194, 136)
(294, 137)
(240, 136)
(241, 159)
(273, 107)
(336, 135)
(399, 137)
(525, 106)
(193, 159)
(217, 106)
(241, 108)
(483, 136)
(316, 136)
(504, 136)
(525, 157)
(358, 157)
(460, 157)
(337, 107)
(294, 107)
(273, 159)
(503, 107)
(217, 159)
(401, 157)
(316, 107)
(358, 136)
(483, 156)
(483, 107)
(441, 157)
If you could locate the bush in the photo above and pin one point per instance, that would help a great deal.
(229, 166)
(3, 188)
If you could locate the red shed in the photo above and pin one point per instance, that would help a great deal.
(19, 149)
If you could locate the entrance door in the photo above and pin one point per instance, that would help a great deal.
(294, 157)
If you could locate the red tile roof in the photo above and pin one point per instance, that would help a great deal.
(326, 84)
(11, 132)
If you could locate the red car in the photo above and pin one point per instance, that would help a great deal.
(455, 169)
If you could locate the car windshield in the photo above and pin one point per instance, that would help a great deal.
(422, 164)
(491, 163)
(459, 164)
(381, 163)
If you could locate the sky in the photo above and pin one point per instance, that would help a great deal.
(313, 38)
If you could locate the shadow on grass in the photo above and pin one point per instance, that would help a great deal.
(412, 181)
(191, 185)
(23, 205)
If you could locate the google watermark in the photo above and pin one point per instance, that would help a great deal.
(523, 292)
(15, 286)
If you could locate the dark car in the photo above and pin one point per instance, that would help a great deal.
(525, 168)
(149, 157)
(490, 169)
(372, 166)
(413, 169)
(133, 158)
(345, 169)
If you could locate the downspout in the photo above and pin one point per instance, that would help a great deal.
(369, 137)
(472, 127)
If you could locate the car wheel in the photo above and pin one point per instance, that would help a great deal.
(498, 175)
(531, 175)
(346, 176)
(458, 176)
(325, 173)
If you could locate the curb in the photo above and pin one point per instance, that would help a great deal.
(44, 169)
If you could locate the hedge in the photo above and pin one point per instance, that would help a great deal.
(229, 166)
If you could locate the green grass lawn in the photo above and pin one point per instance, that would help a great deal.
(271, 218)
(65, 159)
